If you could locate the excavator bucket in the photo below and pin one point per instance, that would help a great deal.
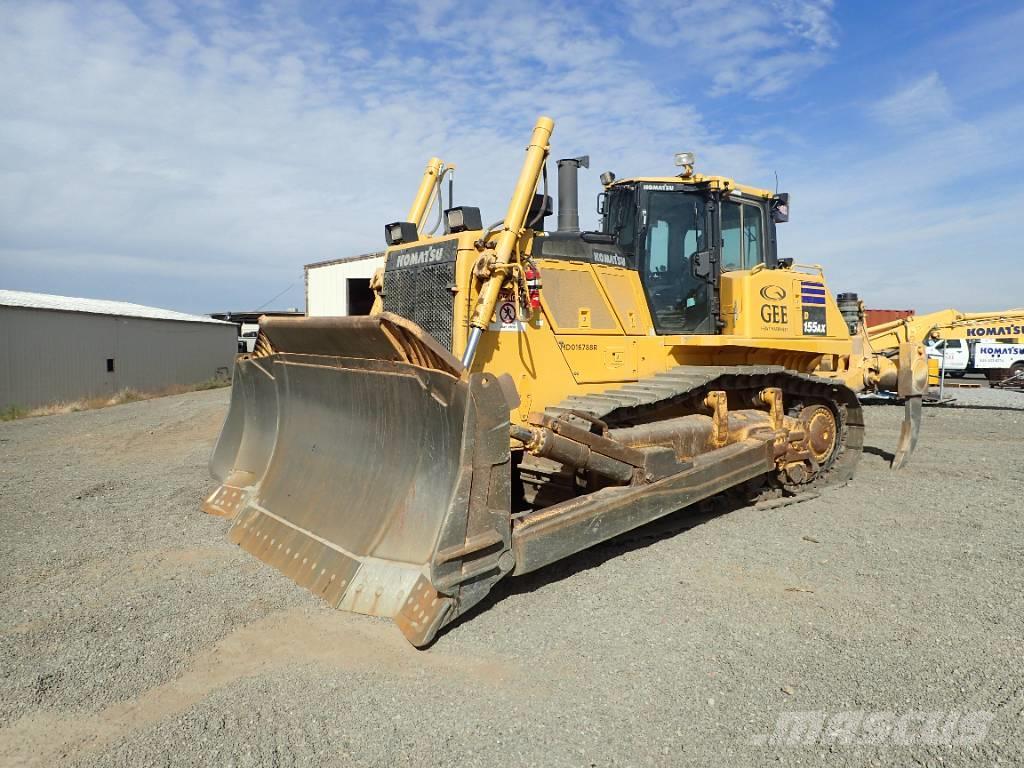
(361, 460)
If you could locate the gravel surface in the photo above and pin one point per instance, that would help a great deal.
(132, 632)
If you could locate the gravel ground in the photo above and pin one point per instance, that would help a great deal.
(133, 633)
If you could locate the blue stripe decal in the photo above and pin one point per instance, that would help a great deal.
(813, 299)
(813, 291)
(816, 285)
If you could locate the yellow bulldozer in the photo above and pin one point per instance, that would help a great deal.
(517, 396)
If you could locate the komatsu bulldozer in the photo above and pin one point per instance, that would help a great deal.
(517, 396)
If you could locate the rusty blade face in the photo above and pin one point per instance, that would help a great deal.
(349, 475)
(247, 438)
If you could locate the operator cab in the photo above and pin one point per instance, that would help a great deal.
(682, 233)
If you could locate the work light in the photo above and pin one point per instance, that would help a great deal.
(400, 232)
(463, 218)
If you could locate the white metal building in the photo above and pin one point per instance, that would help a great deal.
(341, 286)
(58, 348)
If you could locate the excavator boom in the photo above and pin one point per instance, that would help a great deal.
(947, 324)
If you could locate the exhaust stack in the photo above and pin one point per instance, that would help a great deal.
(568, 193)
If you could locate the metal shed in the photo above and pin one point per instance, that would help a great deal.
(59, 348)
(341, 286)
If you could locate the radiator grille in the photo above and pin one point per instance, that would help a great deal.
(424, 295)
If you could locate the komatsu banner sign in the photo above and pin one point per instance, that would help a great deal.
(993, 354)
(998, 355)
(996, 331)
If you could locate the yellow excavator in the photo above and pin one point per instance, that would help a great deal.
(1005, 324)
(517, 395)
(873, 365)
(985, 342)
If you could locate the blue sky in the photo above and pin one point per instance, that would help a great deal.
(195, 156)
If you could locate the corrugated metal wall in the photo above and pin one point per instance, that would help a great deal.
(48, 356)
(327, 285)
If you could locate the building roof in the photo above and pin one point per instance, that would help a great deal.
(346, 259)
(97, 307)
(253, 316)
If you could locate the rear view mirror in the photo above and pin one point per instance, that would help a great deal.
(700, 263)
(602, 203)
(780, 208)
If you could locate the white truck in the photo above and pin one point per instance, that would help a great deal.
(995, 359)
(247, 334)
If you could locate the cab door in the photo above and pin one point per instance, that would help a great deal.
(676, 266)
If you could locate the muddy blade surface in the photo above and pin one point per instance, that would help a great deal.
(354, 476)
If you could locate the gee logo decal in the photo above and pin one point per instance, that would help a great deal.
(773, 293)
(774, 313)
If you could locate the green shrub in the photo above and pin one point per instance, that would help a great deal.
(12, 412)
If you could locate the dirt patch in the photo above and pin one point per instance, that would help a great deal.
(133, 633)
(281, 640)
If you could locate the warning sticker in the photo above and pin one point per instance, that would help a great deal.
(506, 317)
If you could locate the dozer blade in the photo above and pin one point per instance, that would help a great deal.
(362, 461)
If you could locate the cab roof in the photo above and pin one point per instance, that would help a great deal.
(722, 183)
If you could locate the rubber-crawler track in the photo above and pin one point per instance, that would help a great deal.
(684, 387)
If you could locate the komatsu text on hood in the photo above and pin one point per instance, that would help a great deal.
(423, 255)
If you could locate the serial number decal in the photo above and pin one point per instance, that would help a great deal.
(574, 347)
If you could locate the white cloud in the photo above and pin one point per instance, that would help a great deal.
(198, 159)
(920, 103)
(149, 141)
(916, 218)
(746, 46)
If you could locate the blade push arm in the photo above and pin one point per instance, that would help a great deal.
(512, 229)
(421, 203)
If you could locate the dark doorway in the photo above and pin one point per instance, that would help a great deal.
(360, 297)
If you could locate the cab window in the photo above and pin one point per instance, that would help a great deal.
(742, 235)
